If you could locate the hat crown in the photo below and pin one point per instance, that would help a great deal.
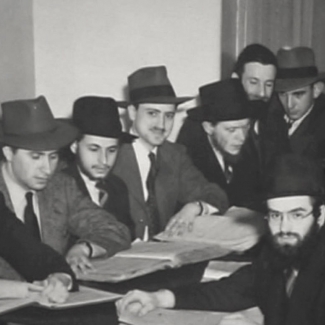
(294, 175)
(35, 116)
(97, 116)
(221, 101)
(298, 57)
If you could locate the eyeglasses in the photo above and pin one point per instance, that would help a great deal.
(276, 217)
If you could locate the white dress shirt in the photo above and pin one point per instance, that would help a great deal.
(17, 195)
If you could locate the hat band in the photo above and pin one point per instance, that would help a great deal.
(152, 91)
(291, 73)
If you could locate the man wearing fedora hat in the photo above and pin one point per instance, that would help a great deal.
(286, 281)
(50, 204)
(160, 176)
(96, 149)
(298, 117)
(225, 115)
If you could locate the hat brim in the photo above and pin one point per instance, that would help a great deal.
(282, 85)
(162, 100)
(61, 136)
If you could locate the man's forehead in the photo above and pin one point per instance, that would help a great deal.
(297, 90)
(288, 203)
(235, 123)
(259, 71)
(99, 141)
(163, 107)
(41, 152)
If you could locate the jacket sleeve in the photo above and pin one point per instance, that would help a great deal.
(31, 258)
(193, 185)
(89, 222)
(230, 294)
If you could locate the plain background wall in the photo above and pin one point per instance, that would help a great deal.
(91, 46)
(17, 50)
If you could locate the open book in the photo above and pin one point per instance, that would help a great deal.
(85, 296)
(190, 317)
(147, 257)
(238, 230)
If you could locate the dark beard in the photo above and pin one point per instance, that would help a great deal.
(259, 109)
(286, 256)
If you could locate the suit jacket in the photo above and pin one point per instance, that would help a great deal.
(118, 200)
(34, 260)
(308, 139)
(263, 285)
(67, 215)
(177, 183)
(244, 188)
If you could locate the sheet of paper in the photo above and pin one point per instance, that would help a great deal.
(85, 296)
(188, 317)
(11, 304)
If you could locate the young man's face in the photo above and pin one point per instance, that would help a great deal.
(95, 155)
(291, 220)
(228, 136)
(152, 122)
(31, 169)
(297, 102)
(258, 80)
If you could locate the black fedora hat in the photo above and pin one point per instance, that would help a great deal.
(296, 69)
(294, 175)
(224, 100)
(152, 85)
(99, 116)
(29, 124)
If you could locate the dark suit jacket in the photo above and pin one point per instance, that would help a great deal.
(308, 139)
(67, 215)
(244, 189)
(178, 182)
(34, 260)
(262, 285)
(118, 201)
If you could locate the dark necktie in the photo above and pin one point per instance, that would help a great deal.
(289, 124)
(290, 275)
(151, 200)
(228, 172)
(30, 217)
(102, 194)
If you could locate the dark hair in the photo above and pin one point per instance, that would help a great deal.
(254, 53)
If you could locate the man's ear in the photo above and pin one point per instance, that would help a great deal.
(321, 218)
(318, 88)
(234, 75)
(132, 111)
(8, 153)
(208, 127)
(73, 147)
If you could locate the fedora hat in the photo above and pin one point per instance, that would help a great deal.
(294, 175)
(224, 100)
(99, 116)
(29, 124)
(296, 69)
(151, 85)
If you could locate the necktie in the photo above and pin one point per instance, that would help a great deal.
(290, 275)
(228, 172)
(102, 194)
(151, 200)
(289, 124)
(30, 217)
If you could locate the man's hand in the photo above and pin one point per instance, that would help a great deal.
(140, 303)
(78, 258)
(182, 221)
(55, 287)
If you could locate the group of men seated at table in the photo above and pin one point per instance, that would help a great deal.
(122, 186)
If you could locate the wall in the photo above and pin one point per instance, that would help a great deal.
(91, 46)
(17, 50)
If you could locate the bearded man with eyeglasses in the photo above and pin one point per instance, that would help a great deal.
(287, 279)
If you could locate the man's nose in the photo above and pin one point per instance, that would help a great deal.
(161, 122)
(103, 157)
(47, 166)
(285, 224)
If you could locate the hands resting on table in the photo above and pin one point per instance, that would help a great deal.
(55, 288)
(140, 303)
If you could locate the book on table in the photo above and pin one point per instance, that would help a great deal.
(212, 237)
(191, 317)
(85, 296)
